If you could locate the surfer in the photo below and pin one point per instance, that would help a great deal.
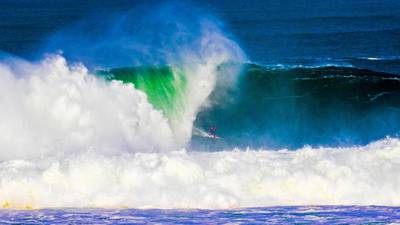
(213, 132)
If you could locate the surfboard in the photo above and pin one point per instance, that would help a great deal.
(201, 133)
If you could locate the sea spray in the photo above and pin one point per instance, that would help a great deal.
(131, 46)
(61, 104)
(52, 108)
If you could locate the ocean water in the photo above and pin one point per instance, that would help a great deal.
(106, 108)
(272, 215)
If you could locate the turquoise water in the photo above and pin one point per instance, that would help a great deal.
(164, 86)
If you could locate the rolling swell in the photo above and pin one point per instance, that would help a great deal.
(290, 108)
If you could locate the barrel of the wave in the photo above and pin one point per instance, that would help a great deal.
(164, 86)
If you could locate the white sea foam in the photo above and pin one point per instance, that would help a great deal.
(52, 108)
(179, 179)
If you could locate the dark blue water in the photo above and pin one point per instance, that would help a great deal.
(286, 30)
(299, 32)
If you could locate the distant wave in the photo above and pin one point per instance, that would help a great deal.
(389, 64)
(292, 107)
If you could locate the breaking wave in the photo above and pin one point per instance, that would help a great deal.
(50, 108)
(108, 122)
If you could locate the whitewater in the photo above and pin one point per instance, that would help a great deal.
(220, 180)
(69, 138)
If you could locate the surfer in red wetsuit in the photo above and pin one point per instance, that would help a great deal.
(213, 132)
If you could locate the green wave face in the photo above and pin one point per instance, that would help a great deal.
(163, 85)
